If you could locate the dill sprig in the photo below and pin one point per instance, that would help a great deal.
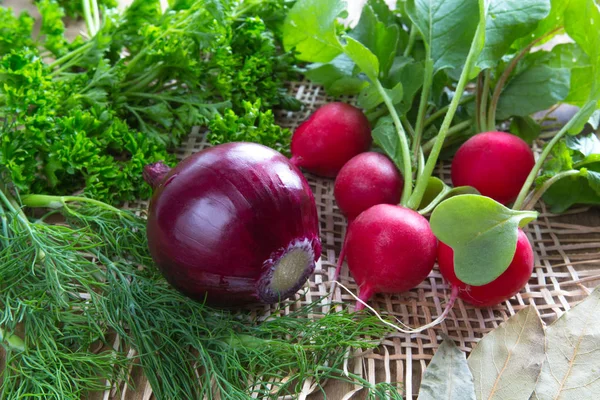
(68, 288)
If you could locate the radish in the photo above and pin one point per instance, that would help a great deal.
(331, 136)
(390, 249)
(495, 163)
(366, 180)
(502, 288)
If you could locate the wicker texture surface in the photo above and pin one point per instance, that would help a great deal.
(567, 267)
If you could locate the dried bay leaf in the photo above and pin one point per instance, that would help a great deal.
(572, 366)
(448, 375)
(507, 362)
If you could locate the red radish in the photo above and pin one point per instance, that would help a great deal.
(390, 249)
(366, 180)
(502, 288)
(236, 223)
(495, 163)
(331, 136)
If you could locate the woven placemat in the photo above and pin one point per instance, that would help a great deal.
(567, 267)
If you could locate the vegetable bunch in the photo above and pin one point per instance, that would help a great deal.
(430, 75)
(89, 114)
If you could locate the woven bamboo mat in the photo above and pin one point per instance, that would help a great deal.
(567, 267)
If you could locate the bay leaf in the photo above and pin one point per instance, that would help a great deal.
(507, 361)
(572, 366)
(447, 376)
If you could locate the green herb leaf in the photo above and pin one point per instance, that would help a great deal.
(481, 232)
(526, 128)
(550, 24)
(337, 76)
(362, 56)
(534, 89)
(447, 376)
(507, 361)
(571, 367)
(508, 20)
(448, 28)
(385, 136)
(310, 29)
(370, 97)
(378, 37)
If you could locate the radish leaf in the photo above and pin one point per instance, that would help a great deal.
(362, 56)
(382, 40)
(385, 136)
(508, 20)
(482, 232)
(447, 376)
(535, 89)
(310, 28)
(572, 366)
(370, 97)
(507, 361)
(526, 128)
(448, 28)
(337, 76)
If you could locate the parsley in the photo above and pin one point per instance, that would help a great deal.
(89, 114)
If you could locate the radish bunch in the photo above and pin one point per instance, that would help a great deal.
(390, 247)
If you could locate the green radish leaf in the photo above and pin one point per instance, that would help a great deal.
(448, 28)
(435, 187)
(508, 20)
(534, 89)
(446, 194)
(378, 37)
(572, 190)
(363, 57)
(482, 232)
(554, 20)
(437, 191)
(310, 29)
(526, 128)
(572, 364)
(447, 376)
(411, 74)
(336, 77)
(385, 136)
(370, 97)
(571, 56)
(507, 361)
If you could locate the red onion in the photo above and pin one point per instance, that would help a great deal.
(236, 223)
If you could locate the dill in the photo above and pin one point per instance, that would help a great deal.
(68, 288)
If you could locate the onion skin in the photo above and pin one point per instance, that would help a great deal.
(220, 221)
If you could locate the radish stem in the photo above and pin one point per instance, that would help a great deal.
(538, 193)
(405, 152)
(538, 165)
(421, 186)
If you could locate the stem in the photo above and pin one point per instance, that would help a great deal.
(47, 201)
(442, 111)
(406, 192)
(421, 186)
(458, 128)
(96, 14)
(411, 41)
(504, 77)
(485, 93)
(479, 114)
(422, 108)
(538, 193)
(70, 55)
(420, 162)
(89, 20)
(406, 123)
(538, 165)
